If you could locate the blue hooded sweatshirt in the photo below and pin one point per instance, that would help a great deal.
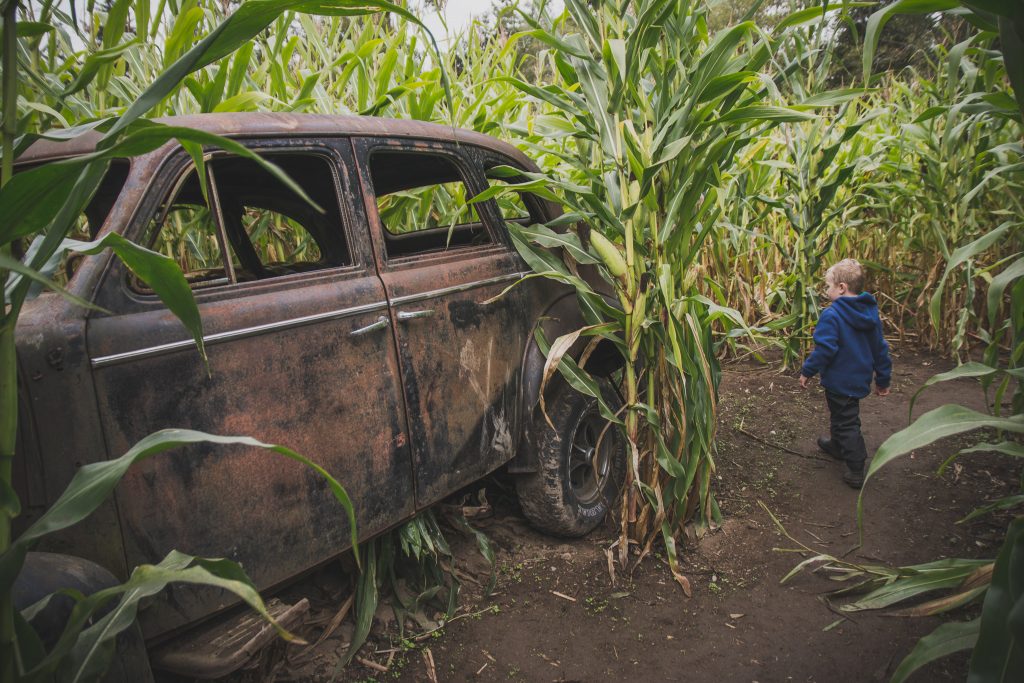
(849, 347)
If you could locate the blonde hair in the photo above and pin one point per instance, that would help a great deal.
(848, 272)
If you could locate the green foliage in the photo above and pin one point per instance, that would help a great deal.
(414, 566)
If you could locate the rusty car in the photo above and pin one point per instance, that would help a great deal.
(365, 332)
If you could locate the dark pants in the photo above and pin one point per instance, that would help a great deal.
(844, 427)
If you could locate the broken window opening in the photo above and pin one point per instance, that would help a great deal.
(421, 202)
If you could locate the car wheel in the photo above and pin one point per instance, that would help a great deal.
(580, 464)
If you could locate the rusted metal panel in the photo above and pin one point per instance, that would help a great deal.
(460, 370)
(313, 387)
(59, 407)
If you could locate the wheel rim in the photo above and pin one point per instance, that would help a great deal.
(589, 464)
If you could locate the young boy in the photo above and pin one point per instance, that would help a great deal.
(848, 348)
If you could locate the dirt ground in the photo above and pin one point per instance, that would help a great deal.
(556, 615)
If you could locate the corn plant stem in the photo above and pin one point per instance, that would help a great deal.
(8, 364)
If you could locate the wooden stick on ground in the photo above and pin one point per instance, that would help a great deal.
(370, 664)
(428, 658)
(780, 447)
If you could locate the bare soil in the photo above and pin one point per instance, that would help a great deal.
(556, 614)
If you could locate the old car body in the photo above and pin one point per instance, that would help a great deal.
(384, 354)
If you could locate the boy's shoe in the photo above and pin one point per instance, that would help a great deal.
(827, 446)
(853, 479)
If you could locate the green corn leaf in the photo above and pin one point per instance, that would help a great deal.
(94, 63)
(833, 98)
(941, 422)
(967, 370)
(33, 29)
(943, 641)
(239, 64)
(577, 378)
(959, 257)
(93, 484)
(243, 101)
(182, 34)
(10, 504)
(877, 21)
(999, 284)
(764, 113)
(9, 264)
(1010, 448)
(29, 647)
(999, 653)
(545, 237)
(159, 272)
(367, 597)
(1004, 503)
(1011, 38)
(92, 649)
(1000, 8)
(907, 587)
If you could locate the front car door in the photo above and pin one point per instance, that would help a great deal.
(300, 354)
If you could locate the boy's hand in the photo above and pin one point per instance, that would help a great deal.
(882, 392)
(803, 381)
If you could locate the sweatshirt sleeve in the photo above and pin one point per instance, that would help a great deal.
(883, 362)
(826, 343)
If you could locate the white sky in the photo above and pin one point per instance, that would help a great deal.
(459, 13)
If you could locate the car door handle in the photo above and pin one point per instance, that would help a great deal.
(412, 315)
(381, 323)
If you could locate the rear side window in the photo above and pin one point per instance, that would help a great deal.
(250, 225)
(421, 200)
(521, 208)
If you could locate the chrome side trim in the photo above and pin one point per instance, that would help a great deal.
(422, 296)
(211, 339)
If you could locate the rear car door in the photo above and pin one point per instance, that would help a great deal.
(300, 353)
(443, 264)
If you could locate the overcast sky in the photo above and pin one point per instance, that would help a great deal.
(459, 13)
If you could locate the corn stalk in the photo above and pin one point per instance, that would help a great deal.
(644, 115)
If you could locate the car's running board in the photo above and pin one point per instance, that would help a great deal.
(224, 646)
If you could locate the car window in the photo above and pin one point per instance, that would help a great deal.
(88, 224)
(249, 225)
(421, 201)
(522, 208)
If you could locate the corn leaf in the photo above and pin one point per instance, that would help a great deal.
(93, 484)
(943, 641)
(967, 370)
(999, 653)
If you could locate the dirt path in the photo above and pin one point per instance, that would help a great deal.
(556, 615)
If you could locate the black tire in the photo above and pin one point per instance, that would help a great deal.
(571, 491)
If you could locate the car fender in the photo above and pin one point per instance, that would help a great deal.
(561, 317)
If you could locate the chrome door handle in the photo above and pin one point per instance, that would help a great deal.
(381, 323)
(412, 315)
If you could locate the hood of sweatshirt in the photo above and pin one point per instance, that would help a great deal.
(860, 311)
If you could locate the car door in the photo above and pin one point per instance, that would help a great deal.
(443, 265)
(300, 354)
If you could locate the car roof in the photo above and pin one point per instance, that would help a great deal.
(265, 124)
